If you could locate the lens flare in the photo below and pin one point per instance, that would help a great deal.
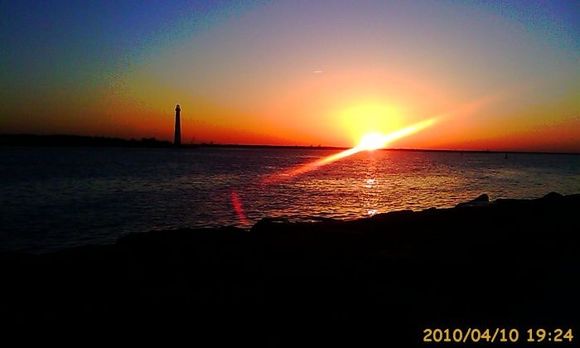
(238, 208)
(372, 141)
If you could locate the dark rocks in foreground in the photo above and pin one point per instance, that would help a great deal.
(370, 282)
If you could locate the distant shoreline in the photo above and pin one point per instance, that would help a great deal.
(32, 140)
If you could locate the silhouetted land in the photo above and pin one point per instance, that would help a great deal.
(88, 141)
(371, 282)
(77, 140)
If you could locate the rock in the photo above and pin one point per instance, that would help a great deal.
(482, 200)
(552, 196)
(383, 279)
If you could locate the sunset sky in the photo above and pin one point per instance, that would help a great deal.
(494, 75)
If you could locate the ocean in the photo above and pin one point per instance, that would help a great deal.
(52, 198)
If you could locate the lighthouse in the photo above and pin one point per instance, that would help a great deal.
(177, 138)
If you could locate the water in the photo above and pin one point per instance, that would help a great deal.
(52, 198)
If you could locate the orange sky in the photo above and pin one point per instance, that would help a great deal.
(497, 77)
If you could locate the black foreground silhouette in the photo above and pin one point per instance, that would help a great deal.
(378, 281)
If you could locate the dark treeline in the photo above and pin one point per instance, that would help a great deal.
(77, 140)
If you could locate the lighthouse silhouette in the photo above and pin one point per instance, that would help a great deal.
(177, 138)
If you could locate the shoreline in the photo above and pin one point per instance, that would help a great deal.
(382, 278)
(74, 141)
(481, 201)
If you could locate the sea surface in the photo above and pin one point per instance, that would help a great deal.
(52, 198)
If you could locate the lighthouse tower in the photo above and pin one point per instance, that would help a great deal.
(177, 138)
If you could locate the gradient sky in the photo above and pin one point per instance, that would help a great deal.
(498, 75)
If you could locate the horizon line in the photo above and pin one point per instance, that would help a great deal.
(148, 140)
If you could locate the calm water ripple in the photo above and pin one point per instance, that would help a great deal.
(58, 197)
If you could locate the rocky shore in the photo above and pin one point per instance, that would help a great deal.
(378, 281)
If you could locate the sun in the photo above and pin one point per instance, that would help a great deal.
(365, 117)
(372, 141)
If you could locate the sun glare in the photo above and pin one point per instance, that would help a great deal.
(369, 142)
(372, 141)
(363, 119)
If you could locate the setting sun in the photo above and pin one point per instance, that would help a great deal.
(372, 141)
(375, 140)
(368, 121)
